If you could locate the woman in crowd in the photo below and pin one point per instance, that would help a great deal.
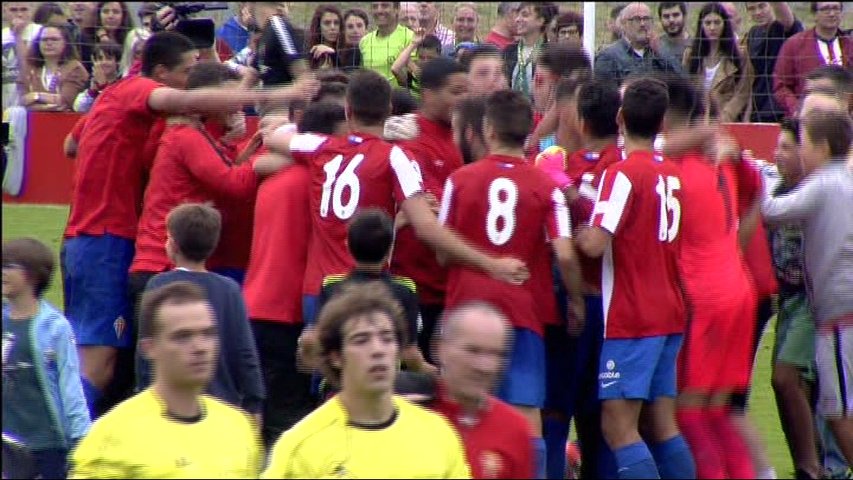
(54, 75)
(356, 22)
(717, 64)
(326, 39)
(114, 22)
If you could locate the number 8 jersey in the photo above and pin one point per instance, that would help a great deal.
(348, 174)
(505, 207)
(638, 204)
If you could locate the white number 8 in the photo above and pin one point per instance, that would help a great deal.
(347, 178)
(501, 209)
(668, 203)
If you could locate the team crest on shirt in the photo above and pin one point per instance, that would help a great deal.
(491, 464)
(120, 325)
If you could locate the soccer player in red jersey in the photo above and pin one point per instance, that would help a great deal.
(507, 206)
(443, 82)
(273, 288)
(107, 196)
(635, 226)
(362, 170)
(473, 344)
(719, 300)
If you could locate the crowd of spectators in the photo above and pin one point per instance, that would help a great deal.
(753, 76)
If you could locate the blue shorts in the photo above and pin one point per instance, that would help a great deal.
(523, 382)
(309, 309)
(94, 279)
(638, 368)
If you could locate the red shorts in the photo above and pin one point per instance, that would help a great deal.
(717, 352)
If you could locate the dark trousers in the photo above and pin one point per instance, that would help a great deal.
(51, 463)
(430, 316)
(289, 396)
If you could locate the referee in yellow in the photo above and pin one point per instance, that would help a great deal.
(365, 431)
(172, 430)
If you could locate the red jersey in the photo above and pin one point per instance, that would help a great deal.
(757, 252)
(711, 266)
(437, 157)
(584, 169)
(506, 207)
(106, 194)
(347, 174)
(77, 130)
(235, 242)
(498, 441)
(499, 40)
(189, 167)
(273, 288)
(639, 204)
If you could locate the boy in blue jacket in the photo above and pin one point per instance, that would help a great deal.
(43, 401)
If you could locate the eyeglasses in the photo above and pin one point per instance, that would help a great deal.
(640, 19)
(12, 266)
(829, 9)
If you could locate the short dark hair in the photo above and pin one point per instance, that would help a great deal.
(470, 112)
(36, 259)
(322, 117)
(480, 51)
(667, 5)
(567, 87)
(792, 126)
(644, 106)
(369, 97)
(108, 49)
(615, 10)
(210, 74)
(685, 101)
(355, 300)
(570, 18)
(833, 126)
(598, 104)
(434, 73)
(195, 229)
(175, 293)
(564, 59)
(403, 102)
(370, 235)
(544, 10)
(430, 42)
(840, 76)
(510, 115)
(813, 6)
(46, 10)
(330, 89)
(164, 48)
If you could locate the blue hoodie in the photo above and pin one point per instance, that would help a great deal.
(58, 371)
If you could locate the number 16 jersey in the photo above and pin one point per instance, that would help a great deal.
(348, 173)
(639, 205)
(505, 207)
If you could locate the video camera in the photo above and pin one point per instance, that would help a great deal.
(201, 31)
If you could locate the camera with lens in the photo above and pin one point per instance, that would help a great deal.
(201, 31)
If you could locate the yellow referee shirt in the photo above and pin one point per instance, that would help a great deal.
(137, 440)
(418, 444)
(380, 53)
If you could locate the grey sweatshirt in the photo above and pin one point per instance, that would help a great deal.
(823, 205)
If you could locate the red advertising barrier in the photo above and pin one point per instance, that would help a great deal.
(49, 172)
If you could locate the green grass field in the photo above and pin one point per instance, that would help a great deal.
(47, 222)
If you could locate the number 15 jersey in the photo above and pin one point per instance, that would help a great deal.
(638, 204)
(348, 174)
(505, 207)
